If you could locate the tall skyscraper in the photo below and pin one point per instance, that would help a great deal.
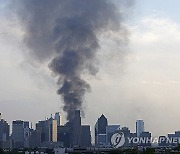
(100, 127)
(73, 133)
(53, 130)
(139, 127)
(77, 128)
(4, 134)
(20, 133)
(4, 130)
(58, 118)
(48, 130)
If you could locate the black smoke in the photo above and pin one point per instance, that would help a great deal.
(66, 32)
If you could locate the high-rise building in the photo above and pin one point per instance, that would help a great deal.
(172, 139)
(76, 128)
(110, 130)
(53, 130)
(34, 138)
(64, 135)
(58, 118)
(139, 127)
(85, 136)
(100, 127)
(48, 130)
(74, 134)
(127, 133)
(4, 130)
(101, 140)
(74, 125)
(4, 134)
(162, 141)
(20, 133)
(147, 137)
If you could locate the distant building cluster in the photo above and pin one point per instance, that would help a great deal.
(104, 132)
(50, 133)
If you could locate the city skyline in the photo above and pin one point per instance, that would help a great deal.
(145, 85)
(139, 124)
(48, 133)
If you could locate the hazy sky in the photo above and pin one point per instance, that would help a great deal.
(144, 85)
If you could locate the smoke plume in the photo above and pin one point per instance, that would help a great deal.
(65, 32)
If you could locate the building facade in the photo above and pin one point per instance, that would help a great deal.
(73, 134)
(100, 128)
(20, 133)
(57, 117)
(48, 130)
(4, 133)
(110, 130)
(85, 136)
(139, 127)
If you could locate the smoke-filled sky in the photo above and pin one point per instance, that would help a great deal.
(143, 83)
(66, 33)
